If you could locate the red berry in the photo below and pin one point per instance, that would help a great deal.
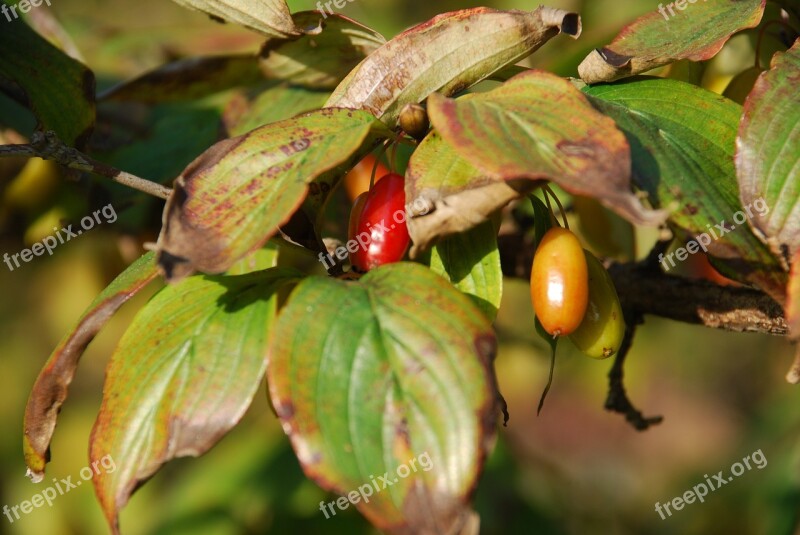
(382, 233)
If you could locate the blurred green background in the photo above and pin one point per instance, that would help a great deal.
(575, 469)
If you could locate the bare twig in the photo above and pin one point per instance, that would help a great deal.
(617, 399)
(47, 146)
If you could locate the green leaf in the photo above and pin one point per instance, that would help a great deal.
(270, 17)
(182, 376)
(682, 141)
(230, 200)
(669, 34)
(471, 261)
(277, 102)
(188, 79)
(542, 222)
(158, 142)
(447, 194)
(390, 368)
(447, 54)
(52, 385)
(329, 49)
(516, 131)
(258, 260)
(768, 154)
(58, 89)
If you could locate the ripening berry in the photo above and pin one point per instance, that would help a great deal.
(559, 282)
(603, 327)
(357, 180)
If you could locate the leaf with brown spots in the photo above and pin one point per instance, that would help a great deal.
(394, 373)
(270, 17)
(326, 52)
(448, 54)
(683, 139)
(537, 126)
(52, 386)
(182, 376)
(768, 154)
(233, 198)
(696, 33)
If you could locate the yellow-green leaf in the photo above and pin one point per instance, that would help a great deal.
(697, 31)
(394, 368)
(181, 377)
(233, 198)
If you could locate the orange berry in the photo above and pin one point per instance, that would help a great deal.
(560, 282)
(356, 181)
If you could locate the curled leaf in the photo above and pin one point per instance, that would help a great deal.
(537, 126)
(768, 155)
(695, 31)
(448, 195)
(52, 385)
(448, 54)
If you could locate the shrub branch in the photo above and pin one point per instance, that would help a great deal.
(48, 147)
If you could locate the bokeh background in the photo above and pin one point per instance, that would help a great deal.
(575, 469)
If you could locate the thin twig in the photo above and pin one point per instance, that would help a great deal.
(617, 399)
(48, 147)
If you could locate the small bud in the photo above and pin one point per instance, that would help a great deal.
(414, 121)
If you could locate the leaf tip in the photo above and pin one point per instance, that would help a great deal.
(36, 476)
